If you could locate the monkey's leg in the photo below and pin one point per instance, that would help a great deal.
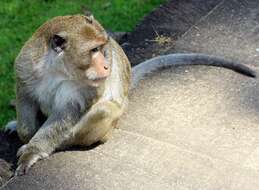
(108, 135)
(98, 124)
(11, 127)
(54, 133)
(27, 122)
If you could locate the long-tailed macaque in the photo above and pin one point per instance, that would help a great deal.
(79, 78)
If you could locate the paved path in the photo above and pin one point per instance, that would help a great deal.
(187, 128)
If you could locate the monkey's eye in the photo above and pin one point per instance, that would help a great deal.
(105, 53)
(94, 50)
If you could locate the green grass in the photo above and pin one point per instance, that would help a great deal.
(19, 18)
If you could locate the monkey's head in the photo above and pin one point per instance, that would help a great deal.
(80, 44)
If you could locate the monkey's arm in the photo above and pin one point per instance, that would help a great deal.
(54, 133)
(26, 108)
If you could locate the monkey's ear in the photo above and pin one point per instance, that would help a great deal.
(89, 16)
(58, 43)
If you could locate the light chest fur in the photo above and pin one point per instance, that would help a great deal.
(54, 87)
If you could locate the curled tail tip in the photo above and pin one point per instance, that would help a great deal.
(245, 70)
(251, 74)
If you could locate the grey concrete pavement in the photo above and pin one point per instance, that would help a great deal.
(187, 128)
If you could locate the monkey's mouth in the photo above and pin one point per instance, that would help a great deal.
(101, 79)
(97, 81)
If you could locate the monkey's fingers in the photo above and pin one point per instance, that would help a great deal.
(21, 150)
(22, 169)
(29, 155)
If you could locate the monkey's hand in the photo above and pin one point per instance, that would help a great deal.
(28, 155)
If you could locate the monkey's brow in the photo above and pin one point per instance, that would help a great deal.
(103, 35)
(102, 40)
(91, 45)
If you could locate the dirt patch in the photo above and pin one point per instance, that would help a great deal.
(171, 21)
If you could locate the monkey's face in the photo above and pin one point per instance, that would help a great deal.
(82, 46)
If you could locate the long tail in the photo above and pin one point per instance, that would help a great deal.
(154, 64)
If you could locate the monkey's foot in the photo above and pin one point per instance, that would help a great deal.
(106, 137)
(28, 155)
(11, 127)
